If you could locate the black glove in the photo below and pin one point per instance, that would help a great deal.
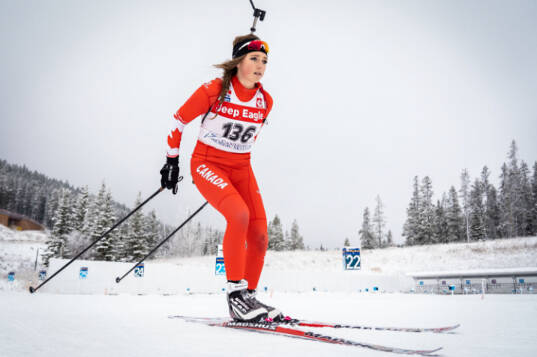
(170, 174)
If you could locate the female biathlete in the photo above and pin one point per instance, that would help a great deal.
(235, 108)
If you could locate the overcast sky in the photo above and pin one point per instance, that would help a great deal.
(367, 94)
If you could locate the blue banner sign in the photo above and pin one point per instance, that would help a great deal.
(11, 276)
(42, 275)
(139, 271)
(351, 259)
(83, 272)
(220, 268)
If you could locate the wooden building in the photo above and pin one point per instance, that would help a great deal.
(19, 222)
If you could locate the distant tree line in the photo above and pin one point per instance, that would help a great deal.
(478, 210)
(280, 241)
(76, 218)
(373, 232)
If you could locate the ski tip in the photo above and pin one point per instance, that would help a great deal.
(429, 353)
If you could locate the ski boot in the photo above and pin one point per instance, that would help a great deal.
(240, 308)
(273, 314)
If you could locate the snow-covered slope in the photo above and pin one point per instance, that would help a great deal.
(18, 251)
(284, 271)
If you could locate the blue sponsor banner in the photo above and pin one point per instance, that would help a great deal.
(351, 259)
(83, 272)
(220, 268)
(468, 282)
(11, 276)
(521, 281)
(421, 282)
(42, 275)
(139, 271)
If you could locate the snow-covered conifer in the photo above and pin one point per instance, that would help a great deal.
(389, 239)
(135, 242)
(275, 235)
(378, 222)
(367, 238)
(425, 231)
(104, 220)
(57, 240)
(525, 226)
(441, 230)
(81, 209)
(464, 193)
(410, 228)
(296, 240)
(455, 221)
(476, 212)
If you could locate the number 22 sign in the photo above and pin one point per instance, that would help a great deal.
(351, 259)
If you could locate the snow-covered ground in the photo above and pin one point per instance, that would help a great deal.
(73, 317)
(125, 325)
(298, 271)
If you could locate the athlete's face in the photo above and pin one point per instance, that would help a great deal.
(252, 68)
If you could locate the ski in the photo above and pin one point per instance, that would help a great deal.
(282, 330)
(307, 323)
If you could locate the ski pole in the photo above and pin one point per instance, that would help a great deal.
(32, 289)
(118, 279)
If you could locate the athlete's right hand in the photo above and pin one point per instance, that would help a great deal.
(170, 174)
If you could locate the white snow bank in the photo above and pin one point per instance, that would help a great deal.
(49, 325)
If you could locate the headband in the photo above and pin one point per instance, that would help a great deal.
(248, 46)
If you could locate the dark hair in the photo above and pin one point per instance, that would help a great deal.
(230, 67)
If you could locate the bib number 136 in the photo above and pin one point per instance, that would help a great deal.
(236, 131)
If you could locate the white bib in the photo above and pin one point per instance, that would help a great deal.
(233, 126)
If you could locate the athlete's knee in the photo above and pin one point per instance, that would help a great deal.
(257, 236)
(239, 216)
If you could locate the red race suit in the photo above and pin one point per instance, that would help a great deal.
(222, 172)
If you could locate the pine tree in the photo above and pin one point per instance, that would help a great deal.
(81, 209)
(367, 239)
(152, 235)
(455, 221)
(57, 241)
(511, 195)
(410, 228)
(491, 215)
(425, 230)
(534, 200)
(476, 212)
(135, 247)
(295, 239)
(378, 222)
(526, 202)
(506, 227)
(389, 239)
(287, 244)
(104, 220)
(275, 234)
(465, 199)
(52, 204)
(347, 242)
(441, 226)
